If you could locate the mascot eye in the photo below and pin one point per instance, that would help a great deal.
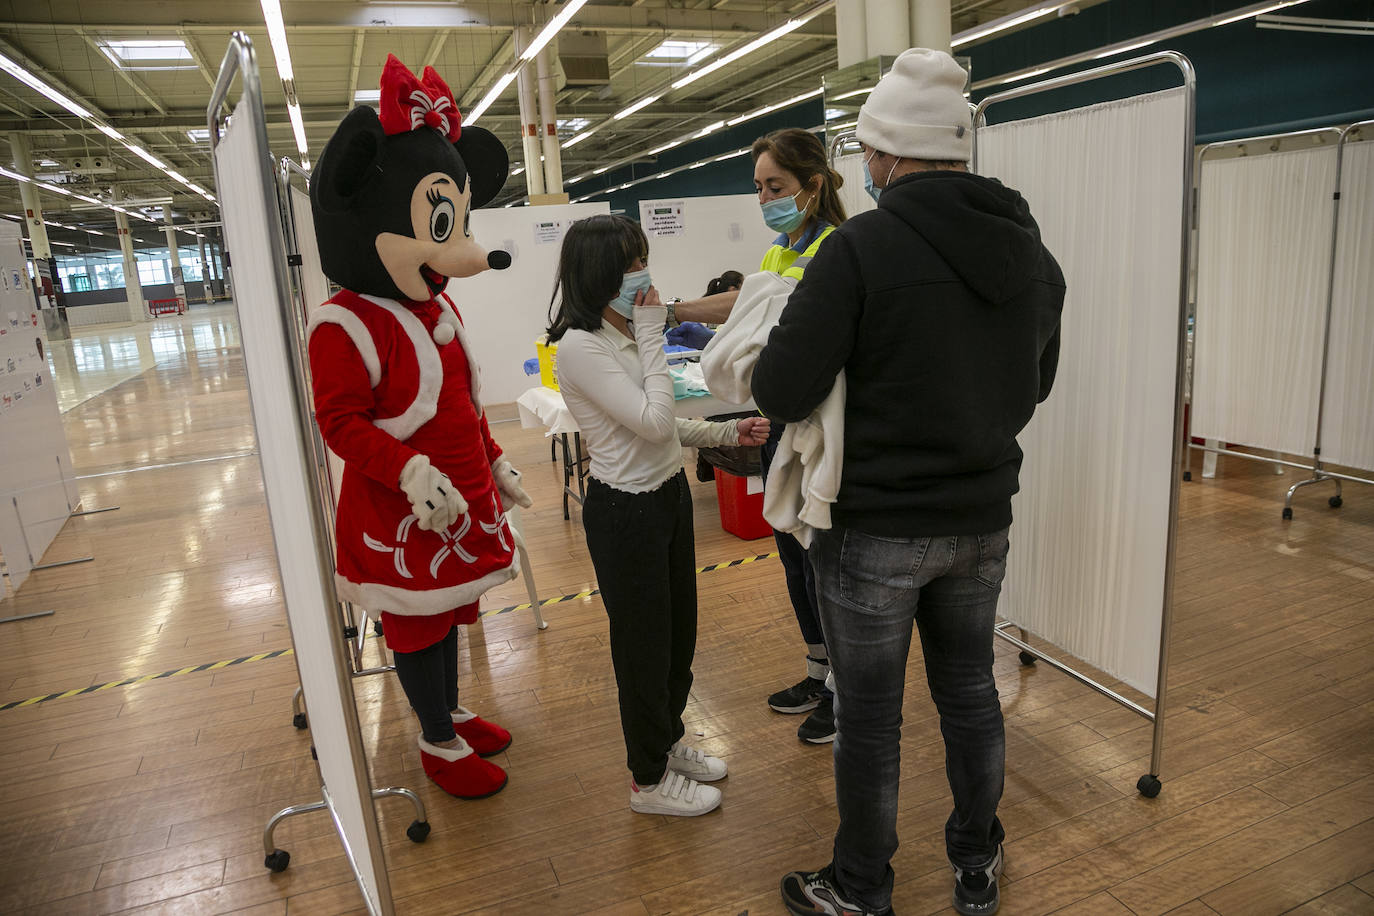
(467, 223)
(441, 217)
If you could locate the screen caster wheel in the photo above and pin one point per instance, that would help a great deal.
(1287, 514)
(1335, 502)
(1148, 785)
(277, 860)
(418, 831)
(1026, 658)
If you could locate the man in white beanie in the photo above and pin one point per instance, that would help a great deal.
(942, 307)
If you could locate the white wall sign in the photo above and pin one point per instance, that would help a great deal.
(661, 218)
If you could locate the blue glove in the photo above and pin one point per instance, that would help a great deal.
(690, 334)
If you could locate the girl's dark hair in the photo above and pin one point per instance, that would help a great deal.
(731, 279)
(802, 153)
(596, 253)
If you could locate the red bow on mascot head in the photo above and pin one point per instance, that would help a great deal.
(392, 197)
(408, 102)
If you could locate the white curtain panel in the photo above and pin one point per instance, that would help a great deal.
(1348, 421)
(1264, 255)
(1087, 561)
(852, 194)
(249, 206)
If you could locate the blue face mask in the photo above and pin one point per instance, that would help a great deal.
(782, 215)
(635, 282)
(873, 190)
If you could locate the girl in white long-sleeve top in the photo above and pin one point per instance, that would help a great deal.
(608, 322)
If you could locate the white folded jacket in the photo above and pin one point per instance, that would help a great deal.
(804, 479)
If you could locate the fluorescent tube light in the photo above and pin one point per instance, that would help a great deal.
(786, 103)
(33, 82)
(492, 94)
(297, 126)
(1248, 13)
(1010, 21)
(551, 29)
(767, 38)
(276, 33)
(642, 103)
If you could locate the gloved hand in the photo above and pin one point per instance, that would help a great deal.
(690, 334)
(435, 501)
(508, 485)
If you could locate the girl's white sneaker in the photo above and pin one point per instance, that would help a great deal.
(695, 764)
(675, 795)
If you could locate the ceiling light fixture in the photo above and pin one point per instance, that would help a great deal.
(767, 109)
(33, 82)
(276, 33)
(1009, 21)
(551, 28)
(642, 103)
(492, 94)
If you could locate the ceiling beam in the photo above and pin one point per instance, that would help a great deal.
(358, 38)
(134, 82)
(435, 47)
(347, 15)
(190, 41)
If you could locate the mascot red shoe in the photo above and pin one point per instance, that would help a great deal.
(421, 530)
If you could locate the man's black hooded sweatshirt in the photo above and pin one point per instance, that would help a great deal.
(942, 307)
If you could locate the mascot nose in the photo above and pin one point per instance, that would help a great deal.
(498, 260)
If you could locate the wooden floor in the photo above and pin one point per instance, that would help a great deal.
(152, 798)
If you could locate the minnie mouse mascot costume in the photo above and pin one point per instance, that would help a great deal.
(421, 532)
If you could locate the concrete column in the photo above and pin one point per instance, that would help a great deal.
(930, 24)
(133, 289)
(178, 279)
(887, 23)
(204, 267)
(548, 114)
(28, 196)
(851, 39)
(529, 117)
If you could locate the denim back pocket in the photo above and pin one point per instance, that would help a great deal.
(876, 572)
(992, 557)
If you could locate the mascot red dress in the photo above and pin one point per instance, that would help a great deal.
(421, 533)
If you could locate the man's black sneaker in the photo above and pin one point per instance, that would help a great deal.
(819, 727)
(975, 889)
(816, 894)
(803, 696)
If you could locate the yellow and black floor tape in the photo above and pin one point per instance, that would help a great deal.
(277, 653)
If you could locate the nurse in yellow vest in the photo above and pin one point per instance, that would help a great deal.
(799, 194)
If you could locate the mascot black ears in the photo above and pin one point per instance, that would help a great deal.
(391, 194)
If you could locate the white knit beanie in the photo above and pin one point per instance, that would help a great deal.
(918, 109)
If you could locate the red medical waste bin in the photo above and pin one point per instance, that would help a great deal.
(741, 512)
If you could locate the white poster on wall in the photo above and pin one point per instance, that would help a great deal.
(660, 218)
(720, 232)
(550, 232)
(35, 460)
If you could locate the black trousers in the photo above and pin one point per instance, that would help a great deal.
(430, 681)
(643, 550)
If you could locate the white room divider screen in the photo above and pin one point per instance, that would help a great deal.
(1264, 249)
(244, 176)
(1348, 412)
(1090, 569)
